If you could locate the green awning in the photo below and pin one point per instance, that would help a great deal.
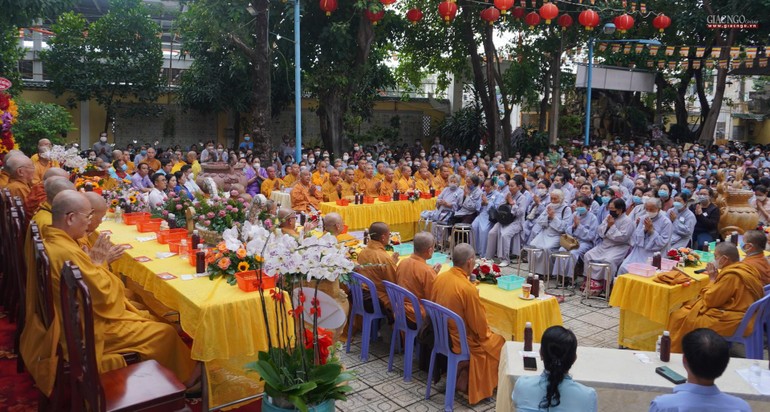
(750, 116)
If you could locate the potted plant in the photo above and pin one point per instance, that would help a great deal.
(217, 213)
(175, 205)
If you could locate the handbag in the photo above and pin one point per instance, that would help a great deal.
(568, 242)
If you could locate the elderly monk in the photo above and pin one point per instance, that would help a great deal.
(424, 181)
(22, 171)
(720, 306)
(37, 194)
(292, 175)
(453, 290)
(369, 185)
(334, 224)
(5, 172)
(38, 342)
(332, 187)
(754, 243)
(118, 326)
(376, 263)
(271, 183)
(41, 160)
(305, 196)
(414, 274)
(321, 175)
(348, 183)
(405, 181)
(388, 183)
(442, 180)
(361, 170)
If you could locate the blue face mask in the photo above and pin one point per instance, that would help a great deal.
(581, 210)
(463, 158)
(654, 153)
(606, 199)
(663, 194)
(686, 191)
(678, 205)
(143, 152)
(618, 173)
(637, 200)
(670, 174)
(124, 167)
(501, 183)
(601, 183)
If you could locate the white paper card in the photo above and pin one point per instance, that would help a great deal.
(163, 255)
(764, 381)
(146, 238)
(642, 357)
(529, 354)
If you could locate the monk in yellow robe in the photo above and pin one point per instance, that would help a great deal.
(424, 181)
(293, 176)
(414, 274)
(334, 224)
(405, 181)
(376, 263)
(754, 243)
(118, 326)
(41, 161)
(442, 180)
(332, 188)
(271, 183)
(320, 176)
(37, 195)
(305, 195)
(22, 171)
(361, 170)
(721, 305)
(348, 183)
(5, 172)
(388, 185)
(369, 185)
(453, 290)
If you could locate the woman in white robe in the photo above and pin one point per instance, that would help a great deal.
(615, 232)
(553, 222)
(583, 228)
(481, 225)
(652, 234)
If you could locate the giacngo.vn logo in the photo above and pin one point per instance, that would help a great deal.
(730, 21)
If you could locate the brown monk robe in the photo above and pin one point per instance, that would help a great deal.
(37, 195)
(5, 172)
(721, 305)
(376, 263)
(453, 290)
(305, 195)
(22, 171)
(754, 244)
(118, 325)
(414, 274)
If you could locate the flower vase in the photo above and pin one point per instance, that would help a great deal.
(269, 405)
(737, 214)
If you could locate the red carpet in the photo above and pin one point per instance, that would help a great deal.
(18, 392)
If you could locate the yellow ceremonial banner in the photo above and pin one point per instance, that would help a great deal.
(763, 62)
(723, 64)
(633, 7)
(699, 51)
(661, 64)
(672, 65)
(751, 52)
(735, 52)
(749, 63)
(643, 8)
(615, 48)
(696, 64)
(654, 50)
(627, 49)
(685, 63)
(670, 50)
(716, 52)
(736, 63)
(624, 3)
(602, 46)
(709, 63)
(639, 48)
(684, 51)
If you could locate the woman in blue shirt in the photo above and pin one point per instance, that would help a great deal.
(554, 390)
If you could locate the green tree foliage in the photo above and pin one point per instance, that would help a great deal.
(464, 129)
(10, 54)
(41, 121)
(113, 59)
(21, 13)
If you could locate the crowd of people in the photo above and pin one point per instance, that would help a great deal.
(621, 201)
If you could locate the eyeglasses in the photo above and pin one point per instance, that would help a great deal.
(88, 216)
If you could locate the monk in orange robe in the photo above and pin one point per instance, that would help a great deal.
(41, 161)
(387, 185)
(453, 290)
(332, 188)
(22, 171)
(271, 183)
(37, 195)
(118, 325)
(348, 183)
(320, 176)
(376, 263)
(369, 185)
(424, 181)
(442, 180)
(414, 274)
(292, 177)
(754, 243)
(721, 305)
(405, 181)
(305, 195)
(5, 172)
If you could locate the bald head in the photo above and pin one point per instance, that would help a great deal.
(380, 232)
(21, 167)
(99, 205)
(54, 185)
(70, 210)
(8, 156)
(55, 172)
(423, 242)
(333, 223)
(462, 254)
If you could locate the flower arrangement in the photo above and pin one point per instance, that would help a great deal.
(67, 158)
(129, 200)
(88, 183)
(175, 205)
(487, 271)
(220, 212)
(684, 255)
(413, 195)
(9, 113)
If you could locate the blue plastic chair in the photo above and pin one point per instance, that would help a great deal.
(754, 343)
(398, 296)
(767, 290)
(368, 319)
(440, 317)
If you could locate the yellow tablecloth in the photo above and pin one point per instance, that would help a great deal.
(401, 216)
(226, 324)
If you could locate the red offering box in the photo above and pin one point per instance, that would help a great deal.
(248, 281)
(385, 198)
(343, 202)
(368, 200)
(425, 195)
(133, 218)
(173, 245)
(403, 196)
(165, 236)
(150, 225)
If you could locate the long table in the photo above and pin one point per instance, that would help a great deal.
(226, 324)
(402, 216)
(621, 380)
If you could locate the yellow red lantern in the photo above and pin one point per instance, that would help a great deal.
(624, 22)
(548, 12)
(490, 15)
(447, 10)
(504, 5)
(328, 6)
(588, 19)
(532, 19)
(414, 15)
(565, 21)
(661, 22)
(374, 17)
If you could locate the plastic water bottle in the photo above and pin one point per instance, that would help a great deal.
(755, 374)
(118, 214)
(183, 249)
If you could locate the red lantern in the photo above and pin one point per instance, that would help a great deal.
(503, 5)
(447, 10)
(661, 22)
(588, 19)
(624, 22)
(374, 17)
(565, 21)
(328, 6)
(414, 15)
(532, 20)
(518, 12)
(387, 2)
(548, 12)
(490, 15)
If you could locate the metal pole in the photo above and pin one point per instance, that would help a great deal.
(297, 89)
(588, 90)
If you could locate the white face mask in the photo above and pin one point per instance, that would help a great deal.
(256, 165)
(345, 157)
(652, 215)
(103, 139)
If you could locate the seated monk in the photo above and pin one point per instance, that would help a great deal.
(118, 325)
(5, 172)
(414, 274)
(37, 195)
(376, 263)
(41, 160)
(754, 243)
(332, 187)
(21, 171)
(720, 306)
(305, 196)
(455, 292)
(288, 223)
(334, 224)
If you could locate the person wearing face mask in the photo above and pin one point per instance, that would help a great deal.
(607, 196)
(541, 197)
(209, 154)
(549, 226)
(683, 221)
(722, 304)
(490, 198)
(583, 228)
(506, 239)
(253, 180)
(762, 204)
(706, 217)
(102, 148)
(118, 170)
(246, 144)
(447, 204)
(41, 160)
(664, 193)
(651, 234)
(470, 205)
(613, 237)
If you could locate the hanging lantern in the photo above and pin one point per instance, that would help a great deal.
(624, 22)
(565, 21)
(548, 12)
(532, 20)
(374, 17)
(490, 15)
(447, 10)
(328, 6)
(661, 22)
(518, 12)
(504, 5)
(414, 15)
(588, 19)
(387, 2)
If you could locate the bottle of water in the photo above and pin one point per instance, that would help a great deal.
(118, 214)
(755, 374)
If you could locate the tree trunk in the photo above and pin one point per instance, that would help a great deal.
(261, 112)
(493, 122)
(478, 79)
(544, 101)
(330, 114)
(710, 124)
(553, 128)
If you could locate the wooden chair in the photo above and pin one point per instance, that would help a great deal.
(19, 273)
(145, 386)
(5, 265)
